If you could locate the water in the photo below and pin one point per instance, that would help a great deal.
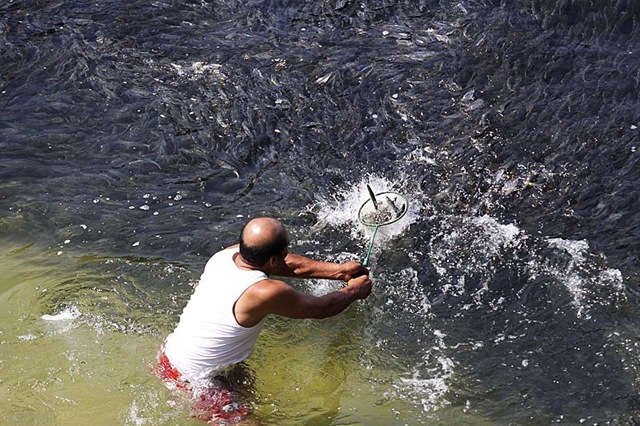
(137, 137)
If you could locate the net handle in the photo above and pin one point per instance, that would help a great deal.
(365, 262)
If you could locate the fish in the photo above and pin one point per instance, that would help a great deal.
(373, 197)
(398, 211)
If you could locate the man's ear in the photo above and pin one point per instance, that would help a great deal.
(273, 261)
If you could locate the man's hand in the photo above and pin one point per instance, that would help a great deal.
(360, 286)
(353, 269)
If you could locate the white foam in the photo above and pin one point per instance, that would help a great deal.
(26, 337)
(343, 209)
(498, 233)
(69, 313)
(602, 286)
(430, 391)
(482, 239)
(576, 249)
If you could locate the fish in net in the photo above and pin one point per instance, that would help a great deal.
(387, 209)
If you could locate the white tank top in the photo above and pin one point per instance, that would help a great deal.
(208, 337)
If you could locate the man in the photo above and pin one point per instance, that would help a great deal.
(223, 319)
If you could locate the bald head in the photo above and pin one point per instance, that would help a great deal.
(262, 238)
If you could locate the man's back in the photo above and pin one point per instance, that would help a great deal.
(208, 336)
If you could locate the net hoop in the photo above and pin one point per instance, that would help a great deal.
(405, 206)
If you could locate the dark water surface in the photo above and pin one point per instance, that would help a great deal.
(137, 137)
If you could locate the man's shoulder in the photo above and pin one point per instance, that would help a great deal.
(269, 288)
(224, 253)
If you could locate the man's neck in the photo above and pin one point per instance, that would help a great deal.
(242, 264)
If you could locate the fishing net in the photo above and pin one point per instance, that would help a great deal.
(383, 209)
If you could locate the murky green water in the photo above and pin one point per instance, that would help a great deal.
(79, 363)
(79, 337)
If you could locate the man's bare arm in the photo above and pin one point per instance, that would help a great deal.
(277, 297)
(297, 266)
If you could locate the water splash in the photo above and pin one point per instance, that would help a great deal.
(428, 382)
(471, 248)
(342, 209)
(468, 255)
(67, 314)
(62, 322)
(589, 284)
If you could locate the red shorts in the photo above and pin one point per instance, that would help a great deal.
(215, 403)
